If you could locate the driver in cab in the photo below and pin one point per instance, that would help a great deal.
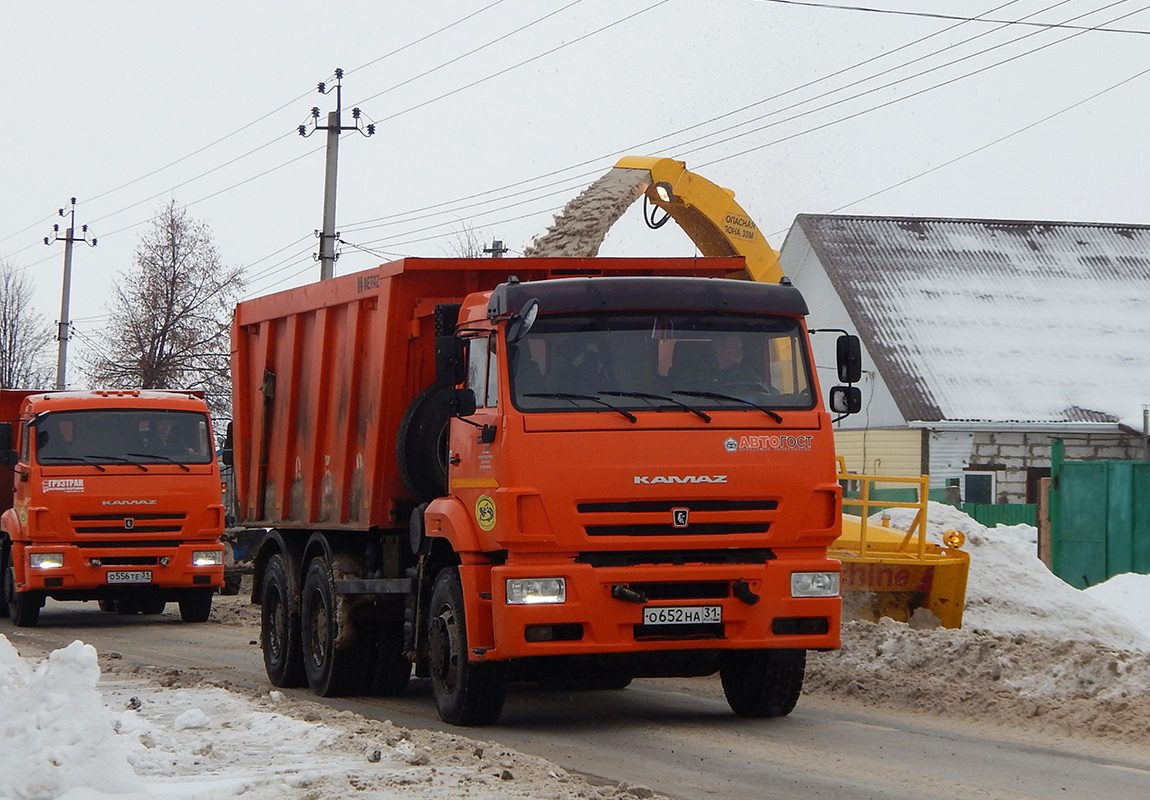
(729, 365)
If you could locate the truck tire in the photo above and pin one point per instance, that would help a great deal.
(196, 605)
(762, 683)
(390, 669)
(154, 605)
(23, 607)
(421, 444)
(4, 613)
(279, 627)
(465, 693)
(333, 660)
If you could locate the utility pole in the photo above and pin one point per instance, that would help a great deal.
(334, 128)
(496, 250)
(63, 332)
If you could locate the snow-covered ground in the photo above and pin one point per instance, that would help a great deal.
(1031, 647)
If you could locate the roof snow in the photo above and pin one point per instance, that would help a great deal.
(997, 321)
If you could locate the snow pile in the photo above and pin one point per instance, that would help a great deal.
(1033, 651)
(55, 728)
(65, 737)
(1009, 591)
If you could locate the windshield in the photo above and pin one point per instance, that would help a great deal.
(660, 361)
(130, 435)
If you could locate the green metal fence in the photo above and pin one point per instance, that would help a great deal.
(1099, 518)
(988, 515)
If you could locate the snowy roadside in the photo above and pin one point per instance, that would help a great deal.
(1034, 654)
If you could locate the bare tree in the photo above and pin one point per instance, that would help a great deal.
(467, 242)
(171, 313)
(25, 336)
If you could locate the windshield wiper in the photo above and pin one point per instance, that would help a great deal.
(647, 396)
(720, 396)
(73, 459)
(186, 468)
(122, 460)
(571, 396)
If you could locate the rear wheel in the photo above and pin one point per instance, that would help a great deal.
(196, 605)
(465, 693)
(279, 626)
(23, 607)
(332, 659)
(762, 683)
(153, 606)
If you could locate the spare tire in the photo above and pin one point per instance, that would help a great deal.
(421, 445)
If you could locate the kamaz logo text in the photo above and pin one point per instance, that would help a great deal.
(648, 479)
(127, 502)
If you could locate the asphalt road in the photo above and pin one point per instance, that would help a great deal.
(675, 736)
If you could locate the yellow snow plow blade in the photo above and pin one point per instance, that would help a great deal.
(888, 572)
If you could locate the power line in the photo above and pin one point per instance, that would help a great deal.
(889, 103)
(931, 15)
(999, 140)
(522, 63)
(472, 52)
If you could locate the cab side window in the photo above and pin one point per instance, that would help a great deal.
(483, 371)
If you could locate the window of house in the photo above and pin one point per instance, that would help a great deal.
(978, 487)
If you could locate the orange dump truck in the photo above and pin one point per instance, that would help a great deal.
(590, 471)
(111, 496)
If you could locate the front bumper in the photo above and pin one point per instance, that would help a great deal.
(87, 568)
(592, 620)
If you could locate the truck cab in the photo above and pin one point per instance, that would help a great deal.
(111, 496)
(634, 464)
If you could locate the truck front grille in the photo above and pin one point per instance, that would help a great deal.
(633, 558)
(95, 524)
(694, 517)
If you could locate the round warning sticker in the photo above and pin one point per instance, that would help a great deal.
(485, 512)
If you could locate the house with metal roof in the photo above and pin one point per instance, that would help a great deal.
(984, 341)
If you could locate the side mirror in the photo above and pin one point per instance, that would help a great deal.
(521, 323)
(462, 403)
(9, 458)
(845, 400)
(5, 435)
(449, 360)
(227, 455)
(849, 353)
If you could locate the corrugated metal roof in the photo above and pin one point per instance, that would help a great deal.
(997, 320)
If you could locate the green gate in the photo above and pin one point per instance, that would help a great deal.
(1099, 518)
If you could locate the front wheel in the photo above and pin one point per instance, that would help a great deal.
(23, 607)
(196, 605)
(762, 683)
(465, 693)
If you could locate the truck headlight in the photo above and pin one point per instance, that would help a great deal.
(529, 591)
(46, 560)
(207, 558)
(814, 584)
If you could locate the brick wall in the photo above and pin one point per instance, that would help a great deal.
(1010, 453)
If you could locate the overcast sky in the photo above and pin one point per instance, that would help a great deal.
(491, 114)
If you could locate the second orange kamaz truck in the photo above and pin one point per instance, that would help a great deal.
(577, 474)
